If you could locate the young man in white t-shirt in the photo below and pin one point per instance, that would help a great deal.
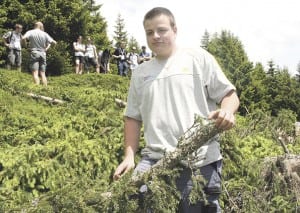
(164, 95)
(132, 59)
(79, 49)
(12, 40)
(91, 56)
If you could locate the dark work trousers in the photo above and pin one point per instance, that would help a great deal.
(212, 175)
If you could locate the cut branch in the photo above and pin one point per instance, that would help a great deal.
(197, 136)
(120, 103)
(52, 100)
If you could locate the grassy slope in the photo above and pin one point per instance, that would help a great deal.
(43, 145)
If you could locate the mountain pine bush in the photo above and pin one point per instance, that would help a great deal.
(60, 157)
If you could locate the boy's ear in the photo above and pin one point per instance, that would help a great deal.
(175, 29)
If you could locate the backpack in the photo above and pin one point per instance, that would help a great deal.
(8, 39)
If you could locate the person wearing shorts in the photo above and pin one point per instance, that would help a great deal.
(39, 42)
(91, 56)
(164, 95)
(79, 49)
(12, 40)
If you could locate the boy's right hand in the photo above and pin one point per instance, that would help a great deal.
(126, 165)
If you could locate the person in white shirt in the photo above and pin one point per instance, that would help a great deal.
(91, 56)
(12, 40)
(79, 49)
(164, 95)
(132, 59)
(39, 43)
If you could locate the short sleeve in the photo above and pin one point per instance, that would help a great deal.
(133, 109)
(49, 39)
(7, 35)
(217, 84)
(27, 34)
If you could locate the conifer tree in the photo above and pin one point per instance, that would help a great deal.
(120, 31)
(298, 72)
(133, 43)
(205, 40)
(63, 20)
(230, 54)
(271, 68)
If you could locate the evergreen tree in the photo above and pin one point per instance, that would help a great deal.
(205, 40)
(63, 20)
(255, 95)
(120, 31)
(282, 90)
(298, 73)
(133, 43)
(271, 68)
(230, 54)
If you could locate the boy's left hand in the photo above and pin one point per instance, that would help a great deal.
(223, 119)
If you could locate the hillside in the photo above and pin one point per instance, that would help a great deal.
(59, 157)
(42, 144)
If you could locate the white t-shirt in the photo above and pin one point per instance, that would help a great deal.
(80, 47)
(90, 50)
(15, 40)
(38, 39)
(166, 95)
(133, 57)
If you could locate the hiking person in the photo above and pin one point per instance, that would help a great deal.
(144, 55)
(79, 49)
(39, 43)
(132, 59)
(164, 95)
(12, 40)
(103, 59)
(120, 55)
(91, 56)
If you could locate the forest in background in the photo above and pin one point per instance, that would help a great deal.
(59, 157)
(269, 89)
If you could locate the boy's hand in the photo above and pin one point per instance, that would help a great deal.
(124, 167)
(223, 119)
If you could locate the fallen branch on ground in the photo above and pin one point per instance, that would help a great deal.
(120, 103)
(52, 100)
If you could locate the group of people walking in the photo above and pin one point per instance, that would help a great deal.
(129, 60)
(86, 54)
(39, 43)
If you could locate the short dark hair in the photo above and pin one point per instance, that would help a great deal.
(157, 11)
(18, 26)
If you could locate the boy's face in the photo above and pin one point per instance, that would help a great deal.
(19, 29)
(160, 36)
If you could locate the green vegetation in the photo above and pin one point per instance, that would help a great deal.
(60, 157)
(44, 146)
(63, 20)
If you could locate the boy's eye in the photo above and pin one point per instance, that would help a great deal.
(148, 33)
(162, 30)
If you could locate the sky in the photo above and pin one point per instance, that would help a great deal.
(268, 29)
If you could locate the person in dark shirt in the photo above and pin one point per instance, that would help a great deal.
(144, 55)
(120, 55)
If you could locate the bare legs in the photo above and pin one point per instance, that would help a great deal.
(44, 78)
(36, 78)
(78, 67)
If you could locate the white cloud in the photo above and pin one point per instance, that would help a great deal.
(269, 29)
